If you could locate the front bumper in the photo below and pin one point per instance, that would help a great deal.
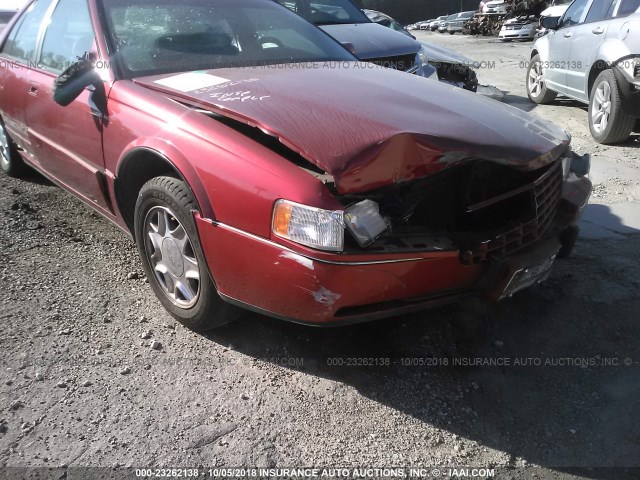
(306, 287)
(517, 34)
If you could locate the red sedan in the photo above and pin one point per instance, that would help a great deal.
(258, 164)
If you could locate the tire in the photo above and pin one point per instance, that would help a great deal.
(607, 122)
(10, 161)
(537, 91)
(452, 33)
(172, 257)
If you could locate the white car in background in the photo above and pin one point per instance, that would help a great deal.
(592, 54)
(519, 28)
(424, 25)
(555, 9)
(495, 6)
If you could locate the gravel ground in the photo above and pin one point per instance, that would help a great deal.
(95, 373)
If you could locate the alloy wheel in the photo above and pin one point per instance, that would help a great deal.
(4, 148)
(536, 79)
(601, 108)
(172, 257)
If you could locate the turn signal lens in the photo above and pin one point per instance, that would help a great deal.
(310, 226)
(282, 218)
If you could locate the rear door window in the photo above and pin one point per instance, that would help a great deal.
(575, 13)
(626, 8)
(598, 11)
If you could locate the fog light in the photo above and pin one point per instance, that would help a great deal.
(364, 222)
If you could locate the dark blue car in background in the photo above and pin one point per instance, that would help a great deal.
(374, 42)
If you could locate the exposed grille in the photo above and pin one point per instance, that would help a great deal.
(483, 208)
(546, 193)
(400, 62)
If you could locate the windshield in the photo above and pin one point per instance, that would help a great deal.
(326, 12)
(163, 36)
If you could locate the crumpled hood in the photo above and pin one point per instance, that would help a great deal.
(369, 126)
(439, 54)
(372, 40)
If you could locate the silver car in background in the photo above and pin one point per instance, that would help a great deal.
(592, 54)
(457, 23)
(433, 26)
(444, 24)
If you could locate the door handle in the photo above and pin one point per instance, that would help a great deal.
(568, 34)
(598, 30)
(33, 89)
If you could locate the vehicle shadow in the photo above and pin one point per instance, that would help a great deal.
(521, 103)
(36, 178)
(542, 377)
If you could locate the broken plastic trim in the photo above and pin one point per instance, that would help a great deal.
(364, 222)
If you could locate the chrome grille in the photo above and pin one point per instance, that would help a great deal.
(400, 62)
(546, 194)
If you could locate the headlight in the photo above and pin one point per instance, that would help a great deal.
(313, 227)
(630, 68)
(566, 167)
(422, 57)
(425, 69)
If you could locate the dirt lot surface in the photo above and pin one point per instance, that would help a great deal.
(81, 386)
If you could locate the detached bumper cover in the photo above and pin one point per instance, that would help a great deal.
(306, 286)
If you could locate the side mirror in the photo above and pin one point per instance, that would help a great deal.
(72, 82)
(551, 23)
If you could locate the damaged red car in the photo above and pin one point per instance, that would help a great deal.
(258, 164)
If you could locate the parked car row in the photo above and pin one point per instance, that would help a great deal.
(455, 23)
(504, 18)
(259, 164)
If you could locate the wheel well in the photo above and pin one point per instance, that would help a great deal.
(596, 69)
(137, 169)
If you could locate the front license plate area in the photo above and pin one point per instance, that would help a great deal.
(525, 277)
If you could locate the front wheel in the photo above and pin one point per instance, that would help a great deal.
(536, 87)
(172, 256)
(607, 122)
(10, 161)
